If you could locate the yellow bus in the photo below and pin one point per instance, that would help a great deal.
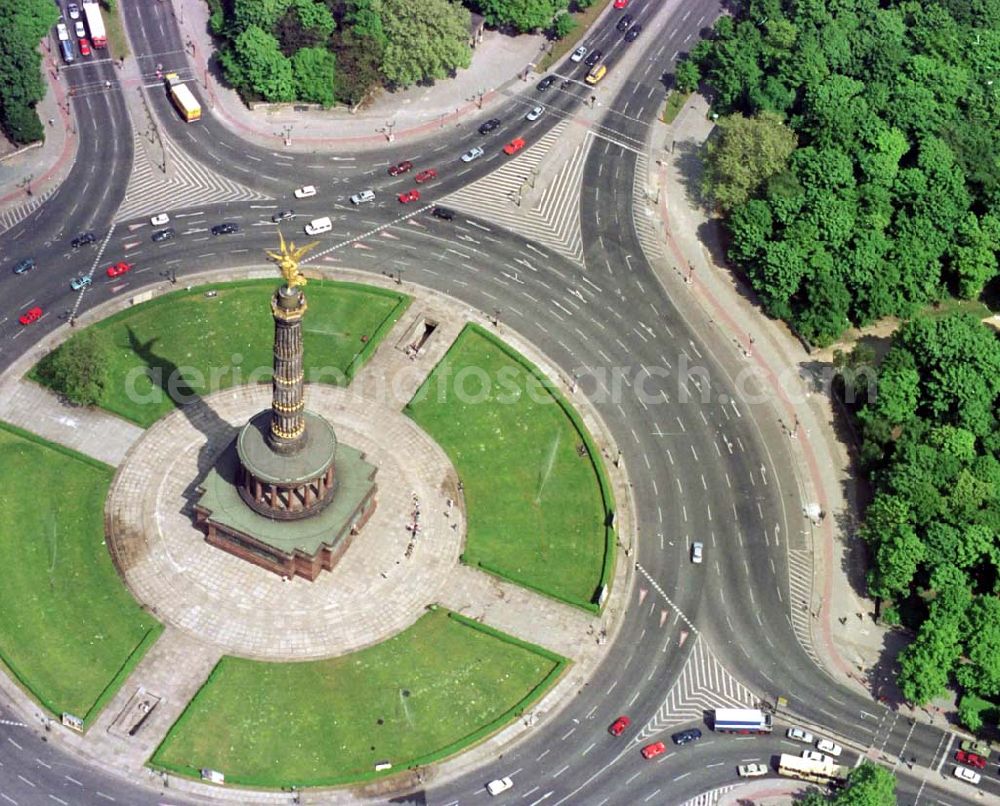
(596, 74)
(183, 98)
(819, 772)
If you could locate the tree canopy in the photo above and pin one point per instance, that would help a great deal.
(889, 200)
(868, 784)
(22, 27)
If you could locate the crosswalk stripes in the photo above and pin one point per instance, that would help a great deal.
(10, 217)
(555, 220)
(800, 584)
(187, 183)
(703, 684)
(709, 798)
(644, 216)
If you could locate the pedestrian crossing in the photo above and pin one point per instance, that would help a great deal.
(703, 684)
(185, 183)
(554, 219)
(644, 217)
(800, 591)
(710, 798)
(17, 213)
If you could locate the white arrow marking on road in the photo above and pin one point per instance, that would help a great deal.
(136, 226)
(386, 234)
(131, 244)
(642, 594)
(664, 615)
(683, 638)
(359, 245)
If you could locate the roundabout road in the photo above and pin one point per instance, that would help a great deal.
(706, 464)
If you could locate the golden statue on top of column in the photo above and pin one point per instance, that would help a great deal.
(288, 260)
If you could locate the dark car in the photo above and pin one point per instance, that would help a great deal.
(444, 213)
(633, 33)
(594, 57)
(282, 215)
(686, 736)
(400, 168)
(163, 234)
(225, 229)
(24, 266)
(545, 83)
(83, 239)
(624, 22)
(489, 125)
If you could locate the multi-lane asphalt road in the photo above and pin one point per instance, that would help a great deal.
(705, 464)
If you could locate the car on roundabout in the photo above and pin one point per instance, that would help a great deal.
(227, 228)
(535, 113)
(829, 747)
(400, 168)
(305, 192)
(426, 176)
(499, 786)
(24, 266)
(472, 154)
(619, 725)
(80, 282)
(545, 83)
(965, 774)
(118, 269)
(751, 770)
(83, 239)
(514, 146)
(489, 125)
(697, 553)
(799, 735)
(159, 220)
(970, 759)
(408, 196)
(686, 736)
(815, 755)
(163, 235)
(30, 315)
(444, 213)
(653, 750)
(282, 215)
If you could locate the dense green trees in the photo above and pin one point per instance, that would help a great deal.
(424, 39)
(22, 27)
(868, 784)
(890, 200)
(522, 15)
(931, 441)
(78, 368)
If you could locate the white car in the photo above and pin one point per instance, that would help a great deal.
(812, 755)
(751, 770)
(578, 54)
(697, 552)
(62, 32)
(499, 785)
(74, 11)
(472, 154)
(831, 748)
(965, 774)
(159, 220)
(535, 113)
(81, 32)
(305, 192)
(364, 197)
(799, 735)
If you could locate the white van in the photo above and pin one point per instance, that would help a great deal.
(363, 197)
(319, 225)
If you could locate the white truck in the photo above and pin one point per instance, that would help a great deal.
(742, 720)
(95, 25)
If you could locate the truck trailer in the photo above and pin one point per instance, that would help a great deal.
(742, 720)
(95, 25)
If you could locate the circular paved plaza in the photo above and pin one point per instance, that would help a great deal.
(381, 585)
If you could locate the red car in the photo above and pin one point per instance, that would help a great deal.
(621, 3)
(653, 750)
(84, 46)
(618, 726)
(408, 196)
(31, 315)
(426, 176)
(514, 146)
(401, 168)
(971, 759)
(119, 269)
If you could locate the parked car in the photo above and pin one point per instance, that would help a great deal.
(973, 760)
(499, 785)
(282, 215)
(751, 770)
(489, 125)
(472, 154)
(364, 197)
(400, 168)
(799, 735)
(979, 748)
(409, 196)
(118, 269)
(829, 747)
(962, 773)
(159, 220)
(228, 228)
(697, 551)
(30, 315)
(578, 54)
(24, 266)
(164, 235)
(535, 113)
(62, 32)
(686, 736)
(633, 33)
(624, 23)
(84, 46)
(426, 176)
(83, 239)
(814, 755)
(79, 30)
(74, 11)
(80, 282)
(545, 83)
(444, 213)
(618, 726)
(653, 750)
(305, 192)
(514, 146)
(594, 57)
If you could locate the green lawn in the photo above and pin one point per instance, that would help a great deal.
(69, 630)
(211, 343)
(424, 694)
(533, 492)
(675, 103)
